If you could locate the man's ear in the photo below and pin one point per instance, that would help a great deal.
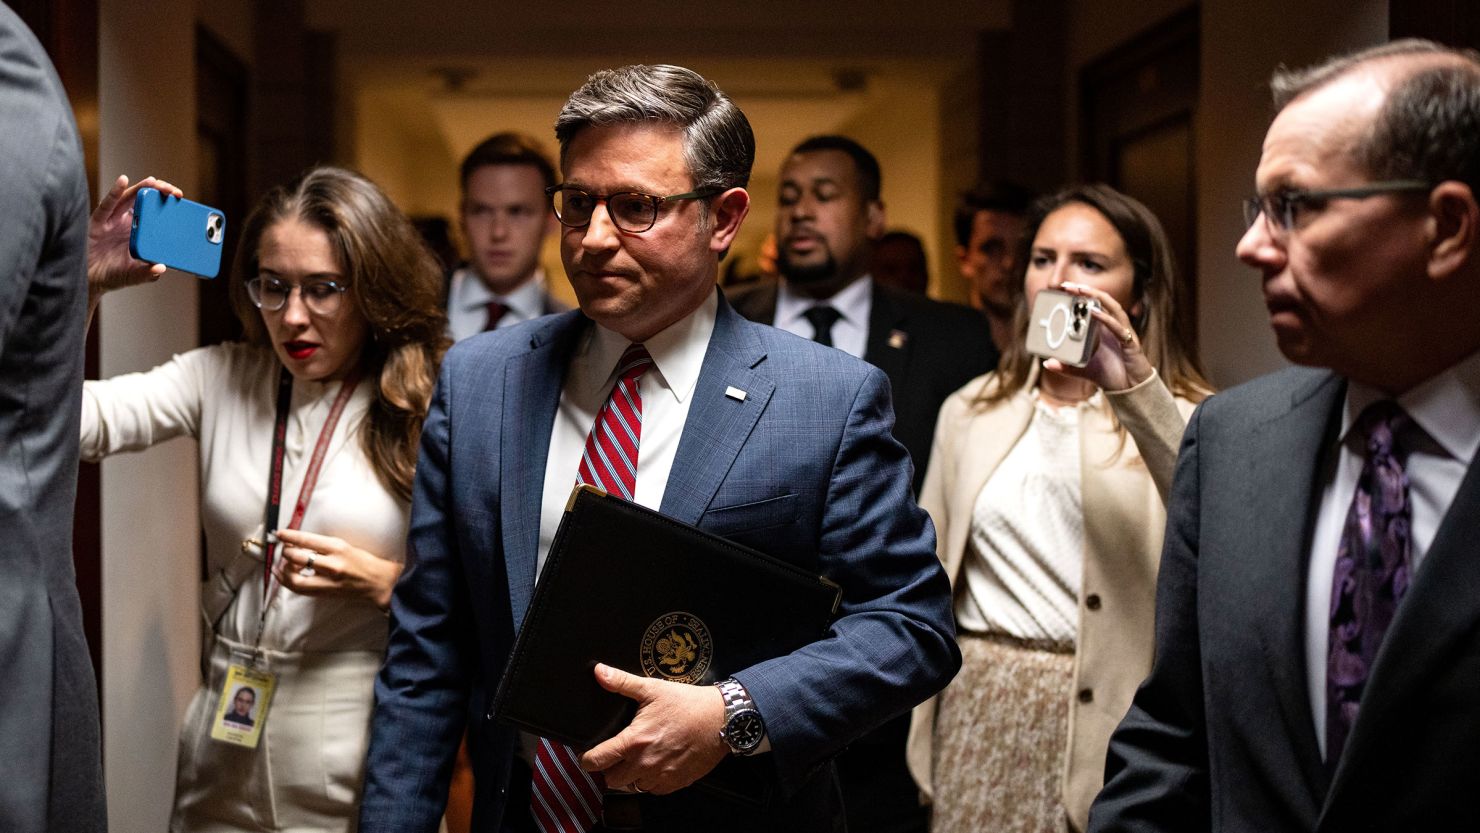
(729, 210)
(1454, 221)
(877, 219)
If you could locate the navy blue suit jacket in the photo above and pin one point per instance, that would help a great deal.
(803, 467)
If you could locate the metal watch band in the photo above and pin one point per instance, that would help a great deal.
(744, 730)
(736, 697)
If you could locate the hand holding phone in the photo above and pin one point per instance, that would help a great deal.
(181, 234)
(1062, 326)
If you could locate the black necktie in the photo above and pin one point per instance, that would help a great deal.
(822, 318)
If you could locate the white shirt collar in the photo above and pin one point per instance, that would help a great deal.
(469, 292)
(1446, 407)
(678, 351)
(852, 301)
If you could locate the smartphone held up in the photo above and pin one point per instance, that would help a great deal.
(181, 234)
(1062, 326)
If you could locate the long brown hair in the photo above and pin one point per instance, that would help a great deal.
(1168, 347)
(394, 282)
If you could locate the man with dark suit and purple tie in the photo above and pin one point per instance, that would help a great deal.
(1317, 660)
(654, 390)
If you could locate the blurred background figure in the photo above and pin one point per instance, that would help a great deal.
(339, 299)
(51, 775)
(989, 226)
(1046, 485)
(436, 232)
(505, 219)
(899, 261)
(828, 215)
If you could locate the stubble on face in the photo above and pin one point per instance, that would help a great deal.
(824, 223)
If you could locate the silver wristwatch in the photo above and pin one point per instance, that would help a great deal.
(744, 729)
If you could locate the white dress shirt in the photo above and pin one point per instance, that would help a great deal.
(666, 390)
(1446, 410)
(1025, 553)
(468, 297)
(854, 302)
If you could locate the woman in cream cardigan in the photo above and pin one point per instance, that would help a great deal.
(1046, 485)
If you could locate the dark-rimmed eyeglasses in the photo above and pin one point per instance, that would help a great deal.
(631, 211)
(322, 297)
(1282, 208)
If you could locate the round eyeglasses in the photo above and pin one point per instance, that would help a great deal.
(631, 211)
(322, 297)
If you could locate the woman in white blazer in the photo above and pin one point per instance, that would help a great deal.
(1046, 485)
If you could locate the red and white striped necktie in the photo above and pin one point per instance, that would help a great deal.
(565, 798)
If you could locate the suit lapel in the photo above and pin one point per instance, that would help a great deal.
(888, 339)
(531, 396)
(1438, 610)
(720, 419)
(1280, 500)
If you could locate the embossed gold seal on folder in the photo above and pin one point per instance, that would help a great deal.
(677, 647)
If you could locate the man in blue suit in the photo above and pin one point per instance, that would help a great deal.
(749, 432)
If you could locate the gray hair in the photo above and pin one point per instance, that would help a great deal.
(1429, 126)
(719, 147)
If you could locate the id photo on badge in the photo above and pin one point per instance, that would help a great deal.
(241, 711)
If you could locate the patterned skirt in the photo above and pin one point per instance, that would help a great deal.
(1000, 735)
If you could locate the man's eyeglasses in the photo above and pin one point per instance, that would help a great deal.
(630, 211)
(1282, 208)
(322, 297)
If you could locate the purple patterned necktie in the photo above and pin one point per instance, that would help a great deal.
(1373, 563)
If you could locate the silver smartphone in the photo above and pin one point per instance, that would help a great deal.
(1062, 327)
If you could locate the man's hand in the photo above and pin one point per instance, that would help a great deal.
(672, 742)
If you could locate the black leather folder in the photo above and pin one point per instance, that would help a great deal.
(629, 587)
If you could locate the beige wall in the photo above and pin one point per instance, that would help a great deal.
(903, 131)
(150, 526)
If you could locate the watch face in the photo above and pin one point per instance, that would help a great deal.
(744, 730)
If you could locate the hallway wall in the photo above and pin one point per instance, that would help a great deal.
(150, 526)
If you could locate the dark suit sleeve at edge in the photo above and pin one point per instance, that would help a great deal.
(1156, 773)
(422, 690)
(893, 644)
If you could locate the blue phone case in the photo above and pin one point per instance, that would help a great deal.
(181, 234)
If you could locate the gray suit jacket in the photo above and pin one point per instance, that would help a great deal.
(1220, 735)
(50, 764)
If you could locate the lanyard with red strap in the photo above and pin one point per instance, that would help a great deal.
(310, 477)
